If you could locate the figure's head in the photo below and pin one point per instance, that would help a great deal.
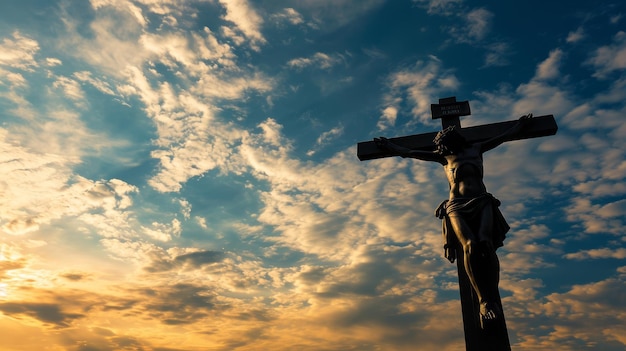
(449, 141)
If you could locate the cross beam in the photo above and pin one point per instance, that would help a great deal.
(535, 127)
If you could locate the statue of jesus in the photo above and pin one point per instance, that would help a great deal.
(472, 221)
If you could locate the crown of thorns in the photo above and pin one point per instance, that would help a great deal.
(442, 134)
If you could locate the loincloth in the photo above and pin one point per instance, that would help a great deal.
(470, 209)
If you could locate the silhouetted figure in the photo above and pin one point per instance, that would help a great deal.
(471, 217)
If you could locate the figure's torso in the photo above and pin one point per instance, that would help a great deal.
(465, 173)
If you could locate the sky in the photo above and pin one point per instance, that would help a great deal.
(182, 175)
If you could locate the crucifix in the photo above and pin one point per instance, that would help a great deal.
(473, 226)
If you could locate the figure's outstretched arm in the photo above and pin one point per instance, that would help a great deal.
(402, 151)
(497, 140)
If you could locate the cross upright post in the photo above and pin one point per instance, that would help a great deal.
(473, 226)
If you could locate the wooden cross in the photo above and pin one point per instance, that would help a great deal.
(449, 111)
(477, 338)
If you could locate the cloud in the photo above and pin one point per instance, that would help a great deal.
(497, 54)
(200, 258)
(478, 23)
(612, 209)
(191, 139)
(44, 312)
(20, 226)
(416, 87)
(247, 20)
(75, 276)
(289, 15)
(180, 303)
(331, 213)
(318, 60)
(585, 211)
(189, 261)
(600, 188)
(163, 231)
(609, 58)
(19, 52)
(549, 68)
(576, 36)
(616, 253)
(326, 138)
(123, 6)
(199, 53)
(112, 43)
(328, 16)
(471, 26)
(440, 7)
(615, 18)
(599, 301)
(71, 89)
(41, 188)
(9, 265)
(388, 117)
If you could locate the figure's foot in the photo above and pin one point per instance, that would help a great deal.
(489, 312)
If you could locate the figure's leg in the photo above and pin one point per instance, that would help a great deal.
(490, 273)
(480, 263)
(466, 238)
(488, 252)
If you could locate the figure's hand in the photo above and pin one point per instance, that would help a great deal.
(522, 122)
(525, 118)
(450, 254)
(388, 146)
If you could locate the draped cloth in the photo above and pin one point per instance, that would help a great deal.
(471, 209)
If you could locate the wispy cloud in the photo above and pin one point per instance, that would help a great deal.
(318, 60)
(246, 19)
(417, 87)
(440, 7)
(617, 253)
(326, 138)
(330, 15)
(610, 58)
(478, 24)
(19, 52)
(189, 134)
(576, 36)
(290, 15)
(550, 67)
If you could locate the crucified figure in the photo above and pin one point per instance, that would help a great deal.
(471, 218)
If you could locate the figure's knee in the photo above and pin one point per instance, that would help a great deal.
(478, 249)
(469, 247)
